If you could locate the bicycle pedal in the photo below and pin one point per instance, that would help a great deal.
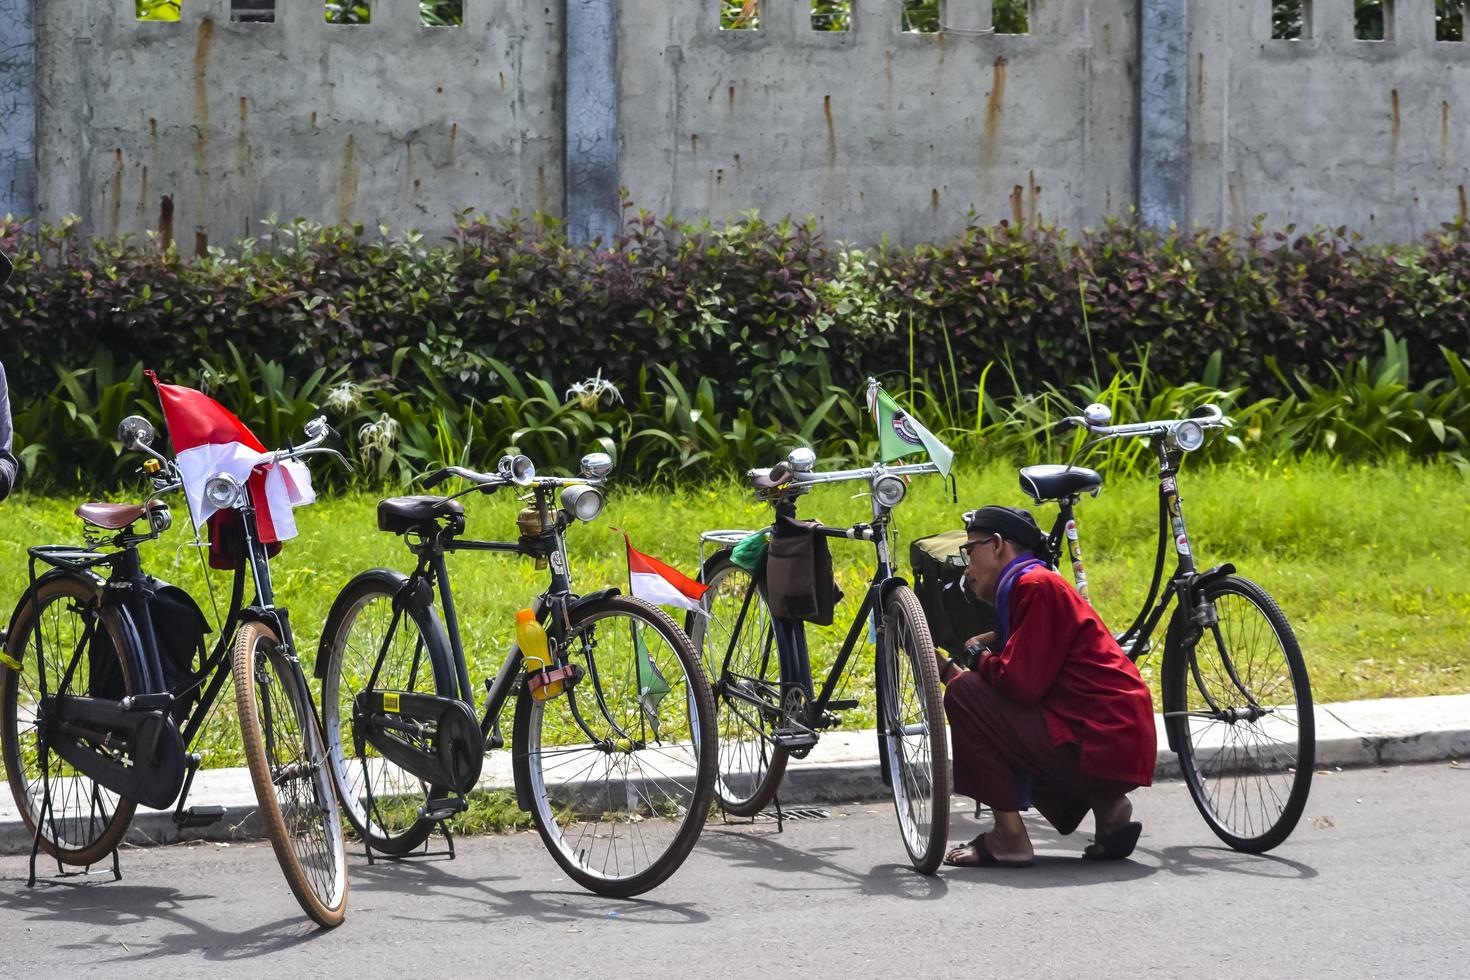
(443, 808)
(199, 816)
(848, 704)
(793, 739)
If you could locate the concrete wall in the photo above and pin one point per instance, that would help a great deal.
(1328, 130)
(875, 131)
(389, 122)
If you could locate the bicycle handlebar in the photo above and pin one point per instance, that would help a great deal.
(490, 482)
(782, 476)
(1205, 416)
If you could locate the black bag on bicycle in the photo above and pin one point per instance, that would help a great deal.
(954, 615)
(178, 627)
(799, 580)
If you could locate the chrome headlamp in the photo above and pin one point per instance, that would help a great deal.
(223, 491)
(889, 490)
(1187, 436)
(582, 501)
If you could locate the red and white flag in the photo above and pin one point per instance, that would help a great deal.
(663, 585)
(209, 440)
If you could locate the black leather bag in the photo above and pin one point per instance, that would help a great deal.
(799, 580)
(954, 615)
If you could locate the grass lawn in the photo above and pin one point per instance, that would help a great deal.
(1371, 564)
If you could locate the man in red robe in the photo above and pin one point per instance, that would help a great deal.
(1053, 716)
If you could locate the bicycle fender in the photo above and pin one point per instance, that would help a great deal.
(591, 597)
(886, 587)
(1202, 579)
(406, 596)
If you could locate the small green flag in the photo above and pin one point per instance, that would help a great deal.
(900, 434)
(652, 687)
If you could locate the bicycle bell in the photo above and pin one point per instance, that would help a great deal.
(517, 469)
(596, 465)
(1097, 414)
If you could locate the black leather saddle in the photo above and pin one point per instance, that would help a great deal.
(1052, 482)
(399, 514)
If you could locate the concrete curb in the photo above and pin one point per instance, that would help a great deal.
(843, 768)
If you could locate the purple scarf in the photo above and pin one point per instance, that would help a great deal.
(1008, 576)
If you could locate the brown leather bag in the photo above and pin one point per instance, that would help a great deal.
(799, 580)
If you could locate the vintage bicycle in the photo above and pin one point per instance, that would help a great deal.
(106, 684)
(1236, 698)
(769, 710)
(613, 740)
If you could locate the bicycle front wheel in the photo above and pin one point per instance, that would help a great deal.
(64, 617)
(371, 627)
(739, 656)
(619, 770)
(1238, 710)
(911, 720)
(289, 768)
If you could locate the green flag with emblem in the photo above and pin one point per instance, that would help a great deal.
(900, 434)
(652, 686)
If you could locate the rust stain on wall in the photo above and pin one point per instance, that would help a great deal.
(115, 205)
(994, 106)
(731, 95)
(1464, 211)
(1444, 130)
(143, 195)
(1018, 194)
(541, 188)
(1033, 198)
(347, 185)
(831, 131)
(934, 198)
(1199, 81)
(453, 140)
(165, 222)
(693, 142)
(201, 241)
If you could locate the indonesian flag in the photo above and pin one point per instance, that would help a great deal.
(209, 440)
(653, 581)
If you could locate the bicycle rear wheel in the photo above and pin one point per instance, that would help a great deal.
(911, 721)
(618, 771)
(744, 675)
(86, 820)
(289, 767)
(368, 620)
(1238, 709)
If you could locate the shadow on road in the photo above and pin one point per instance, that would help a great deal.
(765, 853)
(1189, 861)
(418, 878)
(118, 906)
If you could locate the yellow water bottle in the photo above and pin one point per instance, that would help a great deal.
(531, 638)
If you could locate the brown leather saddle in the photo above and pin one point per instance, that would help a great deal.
(115, 517)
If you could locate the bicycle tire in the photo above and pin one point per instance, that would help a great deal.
(681, 739)
(1246, 614)
(914, 735)
(287, 759)
(750, 765)
(20, 688)
(349, 648)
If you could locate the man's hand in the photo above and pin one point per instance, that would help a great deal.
(985, 641)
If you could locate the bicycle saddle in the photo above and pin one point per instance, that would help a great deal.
(1051, 481)
(115, 517)
(399, 514)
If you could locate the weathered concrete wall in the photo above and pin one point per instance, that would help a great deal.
(875, 131)
(18, 99)
(1328, 130)
(390, 122)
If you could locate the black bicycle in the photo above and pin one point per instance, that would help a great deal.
(768, 708)
(1237, 704)
(106, 683)
(613, 745)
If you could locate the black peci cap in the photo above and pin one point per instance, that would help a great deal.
(1011, 523)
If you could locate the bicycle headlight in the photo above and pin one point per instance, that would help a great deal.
(1188, 436)
(222, 491)
(583, 502)
(889, 490)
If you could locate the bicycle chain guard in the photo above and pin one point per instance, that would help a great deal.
(437, 739)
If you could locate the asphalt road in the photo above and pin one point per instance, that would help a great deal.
(1375, 882)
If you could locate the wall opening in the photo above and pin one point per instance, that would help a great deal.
(349, 13)
(922, 16)
(441, 13)
(1449, 20)
(1289, 20)
(1011, 16)
(253, 11)
(832, 15)
(740, 15)
(156, 9)
(1373, 20)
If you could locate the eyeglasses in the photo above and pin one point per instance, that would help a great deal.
(970, 546)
